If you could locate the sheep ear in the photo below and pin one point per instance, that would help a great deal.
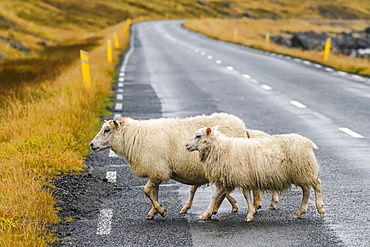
(208, 131)
(248, 135)
(115, 123)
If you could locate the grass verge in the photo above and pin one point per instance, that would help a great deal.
(252, 33)
(45, 131)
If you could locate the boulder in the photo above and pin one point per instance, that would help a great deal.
(283, 41)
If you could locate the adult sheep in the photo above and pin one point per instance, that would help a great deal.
(155, 149)
(270, 163)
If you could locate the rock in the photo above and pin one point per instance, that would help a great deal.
(245, 14)
(367, 30)
(309, 40)
(226, 5)
(283, 41)
(201, 3)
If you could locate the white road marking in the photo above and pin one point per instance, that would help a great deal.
(104, 221)
(358, 78)
(266, 87)
(209, 56)
(297, 60)
(119, 90)
(230, 68)
(317, 66)
(254, 81)
(120, 84)
(121, 79)
(122, 74)
(202, 53)
(297, 104)
(119, 96)
(118, 106)
(246, 76)
(351, 133)
(123, 68)
(341, 73)
(111, 176)
(329, 69)
(218, 61)
(307, 62)
(116, 116)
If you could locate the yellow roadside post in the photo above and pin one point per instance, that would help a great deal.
(85, 68)
(141, 18)
(166, 17)
(267, 38)
(235, 32)
(327, 49)
(109, 50)
(116, 40)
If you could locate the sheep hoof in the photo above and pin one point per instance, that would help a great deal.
(163, 214)
(149, 217)
(214, 212)
(203, 217)
(257, 206)
(322, 213)
(235, 209)
(272, 207)
(248, 219)
(183, 211)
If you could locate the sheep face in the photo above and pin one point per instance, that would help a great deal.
(200, 136)
(103, 139)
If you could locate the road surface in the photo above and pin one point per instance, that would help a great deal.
(169, 71)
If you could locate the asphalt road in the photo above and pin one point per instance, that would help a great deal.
(172, 72)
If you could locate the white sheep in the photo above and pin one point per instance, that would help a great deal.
(270, 163)
(155, 149)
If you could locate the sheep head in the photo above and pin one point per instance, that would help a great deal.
(200, 136)
(103, 139)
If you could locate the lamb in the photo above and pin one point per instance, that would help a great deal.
(270, 163)
(155, 149)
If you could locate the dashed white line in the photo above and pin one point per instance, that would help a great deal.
(358, 78)
(266, 87)
(121, 79)
(209, 56)
(104, 222)
(351, 133)
(118, 106)
(116, 116)
(298, 104)
(111, 176)
(246, 76)
(122, 74)
(317, 66)
(119, 90)
(329, 69)
(230, 67)
(254, 81)
(202, 53)
(307, 62)
(218, 61)
(119, 96)
(341, 73)
(120, 84)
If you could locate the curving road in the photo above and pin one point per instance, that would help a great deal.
(172, 72)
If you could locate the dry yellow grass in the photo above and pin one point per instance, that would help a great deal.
(42, 136)
(252, 33)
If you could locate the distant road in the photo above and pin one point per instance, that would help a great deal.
(173, 72)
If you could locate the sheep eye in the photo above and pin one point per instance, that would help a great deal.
(198, 136)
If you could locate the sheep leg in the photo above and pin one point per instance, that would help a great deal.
(150, 185)
(251, 210)
(232, 202)
(274, 199)
(303, 208)
(153, 212)
(208, 213)
(230, 199)
(187, 206)
(218, 203)
(318, 197)
(257, 198)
